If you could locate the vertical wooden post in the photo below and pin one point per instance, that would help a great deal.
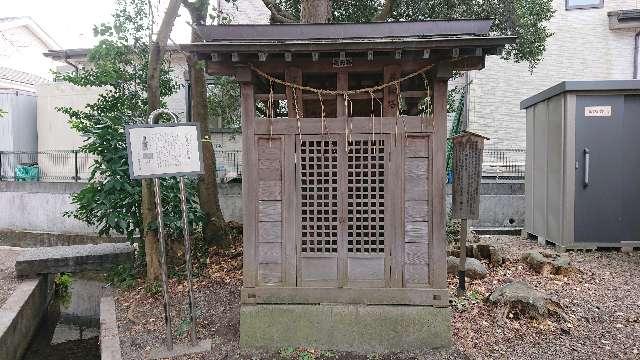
(437, 248)
(463, 258)
(390, 108)
(249, 183)
(391, 72)
(294, 75)
(342, 84)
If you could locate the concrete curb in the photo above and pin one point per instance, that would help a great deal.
(109, 338)
(21, 314)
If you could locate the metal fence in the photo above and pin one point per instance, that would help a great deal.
(53, 165)
(503, 163)
(73, 165)
(228, 165)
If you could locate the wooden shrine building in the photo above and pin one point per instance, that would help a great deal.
(344, 130)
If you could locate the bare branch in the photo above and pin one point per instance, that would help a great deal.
(385, 12)
(278, 15)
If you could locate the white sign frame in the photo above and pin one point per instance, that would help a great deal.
(191, 171)
(598, 111)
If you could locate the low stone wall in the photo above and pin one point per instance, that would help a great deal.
(502, 206)
(21, 314)
(38, 207)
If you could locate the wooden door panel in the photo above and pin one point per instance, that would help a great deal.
(269, 237)
(417, 211)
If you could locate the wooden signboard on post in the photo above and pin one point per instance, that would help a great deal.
(465, 202)
(467, 172)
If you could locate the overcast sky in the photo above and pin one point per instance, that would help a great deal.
(70, 22)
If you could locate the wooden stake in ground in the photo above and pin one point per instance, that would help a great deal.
(465, 204)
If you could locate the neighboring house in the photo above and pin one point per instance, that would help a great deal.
(55, 132)
(584, 47)
(22, 43)
(22, 68)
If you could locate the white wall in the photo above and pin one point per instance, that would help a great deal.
(21, 50)
(18, 126)
(582, 48)
(53, 127)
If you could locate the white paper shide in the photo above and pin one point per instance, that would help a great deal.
(164, 151)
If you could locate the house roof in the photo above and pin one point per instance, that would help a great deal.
(327, 37)
(20, 77)
(14, 22)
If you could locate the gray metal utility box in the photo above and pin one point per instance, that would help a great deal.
(582, 185)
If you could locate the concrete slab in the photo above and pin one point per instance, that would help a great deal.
(21, 314)
(76, 258)
(109, 338)
(202, 346)
(358, 328)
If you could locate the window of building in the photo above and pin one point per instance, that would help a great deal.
(584, 4)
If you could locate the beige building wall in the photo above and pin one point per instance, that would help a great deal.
(582, 48)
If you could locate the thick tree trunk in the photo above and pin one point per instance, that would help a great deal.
(315, 11)
(207, 185)
(156, 54)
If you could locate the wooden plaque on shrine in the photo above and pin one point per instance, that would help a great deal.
(467, 173)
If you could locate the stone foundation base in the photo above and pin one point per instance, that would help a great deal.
(358, 328)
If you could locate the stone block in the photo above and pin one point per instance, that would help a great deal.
(358, 328)
(76, 258)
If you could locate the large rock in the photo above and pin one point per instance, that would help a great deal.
(474, 269)
(548, 263)
(522, 301)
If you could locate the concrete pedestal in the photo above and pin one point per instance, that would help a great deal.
(358, 328)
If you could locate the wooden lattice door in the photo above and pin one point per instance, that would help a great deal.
(341, 186)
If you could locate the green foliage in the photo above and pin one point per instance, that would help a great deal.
(2, 113)
(223, 100)
(111, 201)
(305, 354)
(453, 229)
(523, 18)
(469, 299)
(153, 288)
(62, 291)
(122, 276)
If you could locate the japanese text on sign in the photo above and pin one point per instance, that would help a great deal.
(597, 111)
(164, 150)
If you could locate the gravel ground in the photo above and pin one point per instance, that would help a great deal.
(601, 299)
(8, 281)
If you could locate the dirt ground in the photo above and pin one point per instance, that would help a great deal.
(8, 281)
(601, 299)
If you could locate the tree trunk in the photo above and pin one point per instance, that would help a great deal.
(156, 54)
(315, 11)
(207, 184)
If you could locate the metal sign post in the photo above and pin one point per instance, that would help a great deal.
(162, 150)
(467, 173)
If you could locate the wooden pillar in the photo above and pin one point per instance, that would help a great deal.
(342, 84)
(437, 249)
(294, 75)
(249, 174)
(391, 72)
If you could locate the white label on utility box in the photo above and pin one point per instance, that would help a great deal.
(164, 150)
(597, 111)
